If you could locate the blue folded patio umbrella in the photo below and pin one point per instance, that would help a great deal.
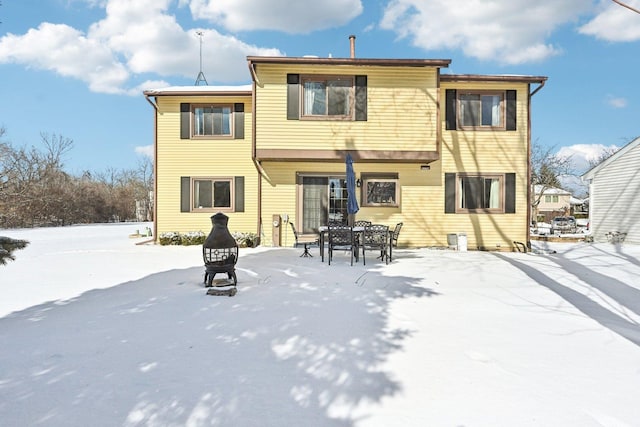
(352, 200)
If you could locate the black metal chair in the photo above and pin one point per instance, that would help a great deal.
(393, 239)
(375, 238)
(304, 240)
(342, 238)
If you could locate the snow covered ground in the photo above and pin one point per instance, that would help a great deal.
(98, 331)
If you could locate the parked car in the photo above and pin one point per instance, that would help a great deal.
(563, 224)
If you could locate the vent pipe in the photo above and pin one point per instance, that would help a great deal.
(352, 42)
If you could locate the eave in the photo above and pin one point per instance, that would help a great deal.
(378, 62)
(362, 156)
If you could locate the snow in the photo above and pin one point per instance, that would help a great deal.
(98, 328)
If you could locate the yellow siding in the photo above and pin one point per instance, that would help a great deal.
(206, 158)
(488, 152)
(402, 113)
(422, 191)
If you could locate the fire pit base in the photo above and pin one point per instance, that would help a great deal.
(231, 291)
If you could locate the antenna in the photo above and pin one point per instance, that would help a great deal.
(201, 78)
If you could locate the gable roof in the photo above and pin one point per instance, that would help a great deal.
(591, 173)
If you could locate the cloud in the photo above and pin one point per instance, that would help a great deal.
(507, 31)
(582, 154)
(280, 15)
(68, 52)
(615, 23)
(145, 150)
(133, 39)
(616, 102)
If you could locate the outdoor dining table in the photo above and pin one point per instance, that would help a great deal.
(323, 230)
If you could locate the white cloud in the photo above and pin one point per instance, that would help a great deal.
(145, 150)
(508, 31)
(281, 15)
(615, 23)
(582, 154)
(134, 38)
(616, 102)
(65, 50)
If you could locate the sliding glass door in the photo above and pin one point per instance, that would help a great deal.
(324, 199)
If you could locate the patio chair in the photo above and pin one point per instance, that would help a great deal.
(342, 238)
(304, 240)
(393, 239)
(361, 223)
(375, 238)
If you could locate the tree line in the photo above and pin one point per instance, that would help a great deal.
(35, 190)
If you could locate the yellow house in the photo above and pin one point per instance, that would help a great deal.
(440, 153)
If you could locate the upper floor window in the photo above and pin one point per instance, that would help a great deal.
(212, 120)
(327, 96)
(313, 97)
(481, 110)
(551, 199)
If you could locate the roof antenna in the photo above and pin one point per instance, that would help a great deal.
(201, 78)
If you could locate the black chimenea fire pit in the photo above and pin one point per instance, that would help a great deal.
(220, 254)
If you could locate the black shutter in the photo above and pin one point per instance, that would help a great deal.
(361, 98)
(239, 194)
(293, 96)
(185, 194)
(510, 193)
(511, 110)
(185, 121)
(450, 109)
(238, 118)
(449, 193)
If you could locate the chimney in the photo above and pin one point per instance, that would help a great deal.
(352, 42)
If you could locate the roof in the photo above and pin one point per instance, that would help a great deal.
(515, 78)
(591, 173)
(551, 190)
(380, 62)
(201, 90)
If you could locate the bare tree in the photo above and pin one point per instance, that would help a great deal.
(604, 155)
(546, 168)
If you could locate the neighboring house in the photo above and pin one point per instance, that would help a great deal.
(441, 153)
(553, 202)
(614, 189)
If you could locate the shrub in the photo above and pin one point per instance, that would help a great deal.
(193, 238)
(8, 246)
(170, 238)
(245, 240)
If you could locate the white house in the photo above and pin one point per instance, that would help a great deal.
(614, 194)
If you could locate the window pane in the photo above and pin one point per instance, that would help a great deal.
(380, 192)
(472, 192)
(315, 102)
(492, 193)
(490, 110)
(222, 194)
(470, 110)
(202, 194)
(339, 97)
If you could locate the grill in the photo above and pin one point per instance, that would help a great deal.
(220, 255)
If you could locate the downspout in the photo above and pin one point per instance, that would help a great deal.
(261, 172)
(155, 167)
(528, 229)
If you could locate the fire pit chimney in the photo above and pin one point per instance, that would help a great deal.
(220, 254)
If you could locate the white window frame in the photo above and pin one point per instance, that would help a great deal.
(195, 207)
